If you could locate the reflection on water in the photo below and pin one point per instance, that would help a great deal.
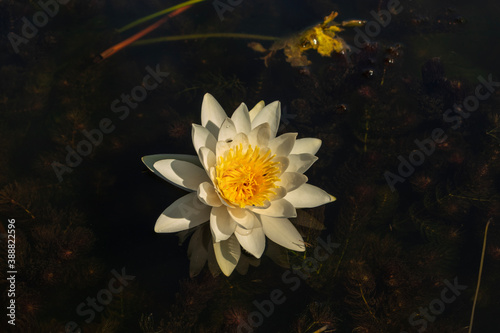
(410, 131)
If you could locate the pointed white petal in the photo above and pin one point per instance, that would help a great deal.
(241, 119)
(256, 109)
(212, 114)
(197, 251)
(227, 130)
(255, 242)
(227, 253)
(308, 196)
(221, 224)
(291, 180)
(207, 158)
(239, 139)
(206, 193)
(221, 148)
(182, 174)
(271, 114)
(300, 162)
(283, 163)
(243, 217)
(278, 208)
(202, 138)
(306, 145)
(184, 213)
(279, 192)
(260, 135)
(150, 160)
(242, 231)
(283, 144)
(282, 232)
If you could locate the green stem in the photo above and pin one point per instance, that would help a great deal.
(479, 277)
(160, 13)
(199, 36)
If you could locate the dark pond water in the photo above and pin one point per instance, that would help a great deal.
(410, 124)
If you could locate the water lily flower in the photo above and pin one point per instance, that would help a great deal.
(244, 181)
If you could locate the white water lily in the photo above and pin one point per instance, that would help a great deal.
(245, 181)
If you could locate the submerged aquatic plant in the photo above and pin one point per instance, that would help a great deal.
(246, 181)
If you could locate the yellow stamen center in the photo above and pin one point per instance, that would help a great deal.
(245, 177)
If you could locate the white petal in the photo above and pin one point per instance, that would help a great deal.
(227, 253)
(308, 196)
(278, 208)
(306, 145)
(291, 180)
(206, 193)
(184, 213)
(221, 148)
(182, 174)
(282, 232)
(283, 144)
(283, 163)
(202, 138)
(227, 130)
(241, 119)
(256, 109)
(207, 158)
(301, 162)
(221, 224)
(279, 192)
(239, 139)
(150, 160)
(197, 252)
(243, 231)
(255, 242)
(243, 217)
(271, 114)
(260, 135)
(212, 114)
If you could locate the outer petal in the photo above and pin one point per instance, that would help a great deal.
(197, 252)
(221, 224)
(278, 208)
(184, 213)
(241, 119)
(256, 109)
(308, 196)
(260, 135)
(283, 144)
(212, 114)
(182, 174)
(150, 160)
(202, 138)
(206, 194)
(282, 232)
(255, 242)
(306, 145)
(227, 130)
(291, 180)
(207, 158)
(271, 114)
(300, 162)
(227, 253)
